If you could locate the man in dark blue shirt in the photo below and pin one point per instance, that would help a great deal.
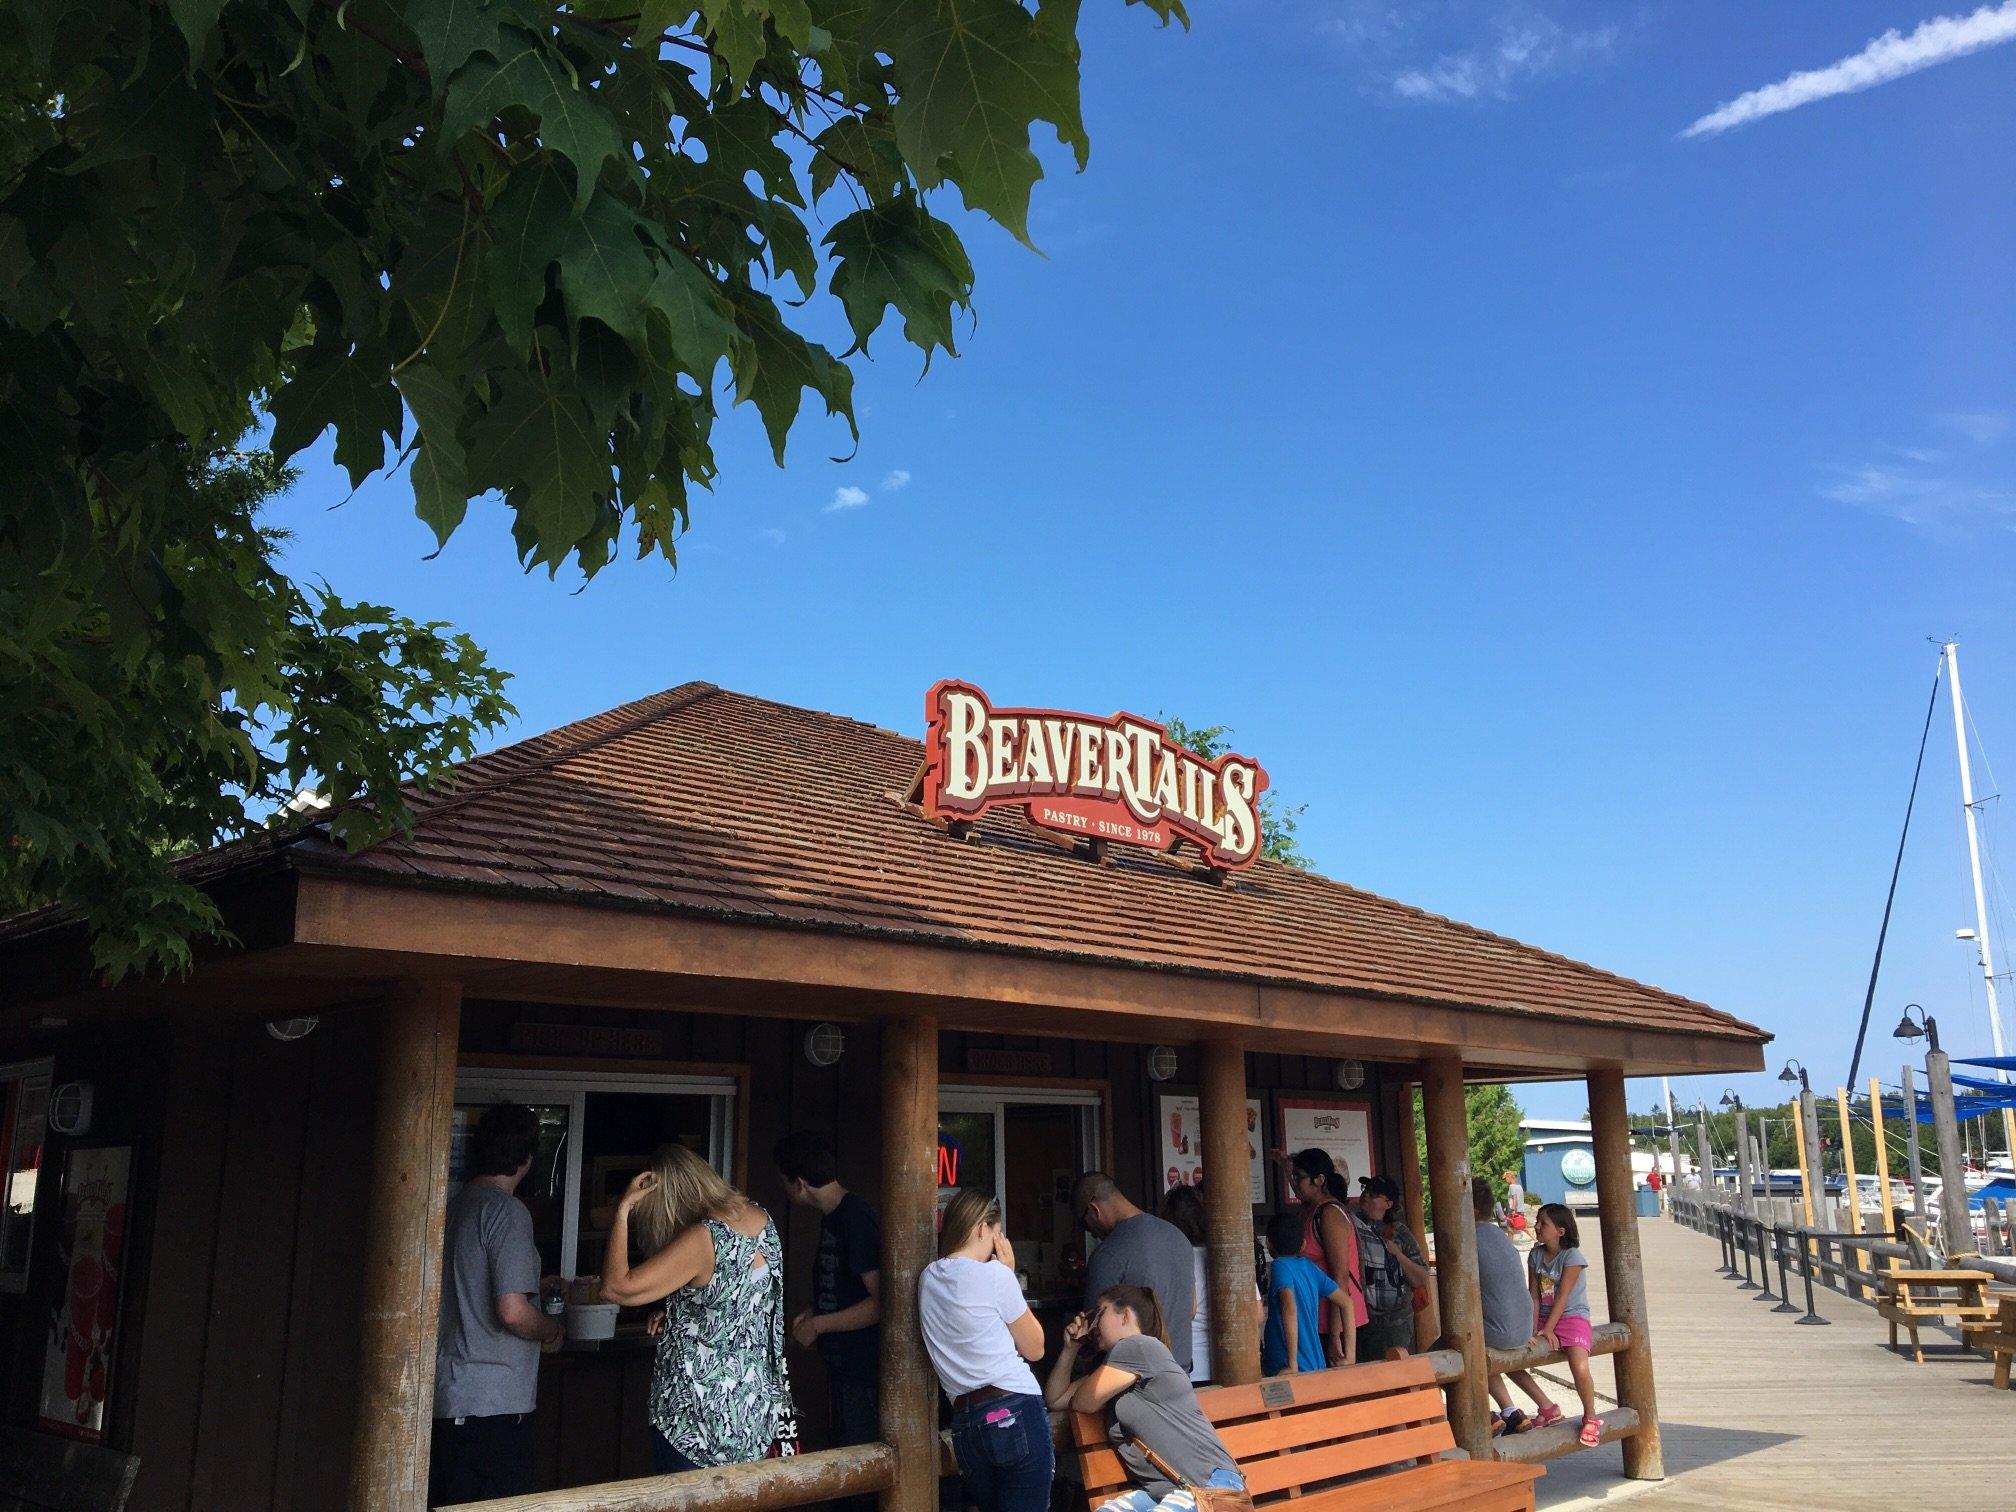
(844, 1321)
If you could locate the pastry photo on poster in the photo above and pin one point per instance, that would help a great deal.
(1341, 1127)
(1181, 1127)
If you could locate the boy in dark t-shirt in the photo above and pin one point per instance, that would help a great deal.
(844, 1321)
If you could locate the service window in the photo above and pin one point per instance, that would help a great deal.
(24, 1122)
(596, 1131)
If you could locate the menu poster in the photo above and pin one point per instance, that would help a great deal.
(1341, 1127)
(78, 1359)
(1181, 1122)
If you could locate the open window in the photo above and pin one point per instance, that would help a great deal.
(596, 1131)
(1025, 1146)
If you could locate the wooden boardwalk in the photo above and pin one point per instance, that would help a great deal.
(1760, 1413)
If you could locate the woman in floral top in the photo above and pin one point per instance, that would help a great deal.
(718, 1390)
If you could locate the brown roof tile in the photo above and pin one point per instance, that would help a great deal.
(697, 798)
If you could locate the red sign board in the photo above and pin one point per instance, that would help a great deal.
(1117, 779)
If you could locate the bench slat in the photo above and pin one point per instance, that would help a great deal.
(1223, 1404)
(1348, 1458)
(1465, 1484)
(1299, 1430)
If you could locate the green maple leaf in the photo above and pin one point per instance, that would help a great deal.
(774, 367)
(604, 270)
(441, 466)
(900, 254)
(696, 316)
(452, 31)
(528, 227)
(540, 443)
(975, 76)
(350, 391)
(529, 74)
(742, 138)
(735, 28)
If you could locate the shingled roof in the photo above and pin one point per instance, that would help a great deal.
(701, 800)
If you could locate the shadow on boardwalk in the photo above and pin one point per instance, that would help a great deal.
(1761, 1414)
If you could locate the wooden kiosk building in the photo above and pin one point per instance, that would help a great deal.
(651, 924)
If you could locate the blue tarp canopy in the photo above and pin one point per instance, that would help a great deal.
(1982, 1083)
(1992, 1062)
(2002, 1189)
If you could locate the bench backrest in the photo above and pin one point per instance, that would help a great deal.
(1290, 1433)
(39, 1470)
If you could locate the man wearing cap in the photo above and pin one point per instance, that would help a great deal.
(1391, 1266)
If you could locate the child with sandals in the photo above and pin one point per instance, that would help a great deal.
(1558, 1272)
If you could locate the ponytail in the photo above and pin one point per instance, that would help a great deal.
(1318, 1165)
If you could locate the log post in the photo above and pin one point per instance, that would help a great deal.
(401, 1316)
(909, 1243)
(1956, 1228)
(1417, 1218)
(1624, 1270)
(1456, 1283)
(1882, 1171)
(1228, 1214)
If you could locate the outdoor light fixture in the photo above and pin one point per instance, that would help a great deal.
(824, 1045)
(1731, 1100)
(1161, 1064)
(1796, 1071)
(1926, 1027)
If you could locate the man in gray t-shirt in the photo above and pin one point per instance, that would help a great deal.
(486, 1360)
(1508, 1305)
(1137, 1249)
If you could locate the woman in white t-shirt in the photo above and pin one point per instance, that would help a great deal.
(981, 1336)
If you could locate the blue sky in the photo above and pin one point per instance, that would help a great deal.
(1556, 504)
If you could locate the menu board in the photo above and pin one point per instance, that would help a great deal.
(1180, 1121)
(1341, 1127)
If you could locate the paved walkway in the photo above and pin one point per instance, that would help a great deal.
(1759, 1413)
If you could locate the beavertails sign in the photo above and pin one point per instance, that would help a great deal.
(1117, 779)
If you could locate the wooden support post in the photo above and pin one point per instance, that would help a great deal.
(909, 1243)
(1624, 1270)
(1746, 1190)
(1456, 1283)
(401, 1316)
(1956, 1227)
(1417, 1218)
(1228, 1215)
(1882, 1167)
(1848, 1163)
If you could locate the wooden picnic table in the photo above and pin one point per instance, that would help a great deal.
(1943, 1295)
(1996, 1337)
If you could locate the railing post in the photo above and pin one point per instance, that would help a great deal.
(1806, 1269)
(1785, 1302)
(1743, 1228)
(1763, 1266)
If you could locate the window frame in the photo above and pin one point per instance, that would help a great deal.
(15, 1078)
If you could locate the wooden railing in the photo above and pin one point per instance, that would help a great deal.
(758, 1486)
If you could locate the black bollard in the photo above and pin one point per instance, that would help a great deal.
(1743, 1232)
(1763, 1267)
(1785, 1302)
(1806, 1269)
(1728, 1244)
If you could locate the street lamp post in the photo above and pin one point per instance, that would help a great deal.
(1809, 1132)
(1745, 1191)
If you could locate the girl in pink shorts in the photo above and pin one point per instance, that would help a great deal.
(1558, 1272)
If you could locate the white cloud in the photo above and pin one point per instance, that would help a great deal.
(894, 479)
(1982, 428)
(1890, 56)
(846, 496)
(774, 536)
(1527, 45)
(1939, 491)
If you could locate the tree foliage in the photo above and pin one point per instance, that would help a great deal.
(1497, 1142)
(1277, 819)
(152, 701)
(513, 246)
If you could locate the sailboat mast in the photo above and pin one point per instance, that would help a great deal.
(1984, 947)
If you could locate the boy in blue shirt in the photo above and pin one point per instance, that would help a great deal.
(1296, 1291)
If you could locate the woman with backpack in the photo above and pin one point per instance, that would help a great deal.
(1390, 1267)
(1331, 1240)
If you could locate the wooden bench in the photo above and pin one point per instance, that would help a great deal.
(1912, 1297)
(1996, 1338)
(1356, 1436)
(40, 1472)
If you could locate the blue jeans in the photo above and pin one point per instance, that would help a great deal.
(1179, 1500)
(1005, 1454)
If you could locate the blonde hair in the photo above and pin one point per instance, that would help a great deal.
(966, 1211)
(687, 1190)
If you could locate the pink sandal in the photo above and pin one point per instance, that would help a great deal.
(1592, 1432)
(1547, 1416)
